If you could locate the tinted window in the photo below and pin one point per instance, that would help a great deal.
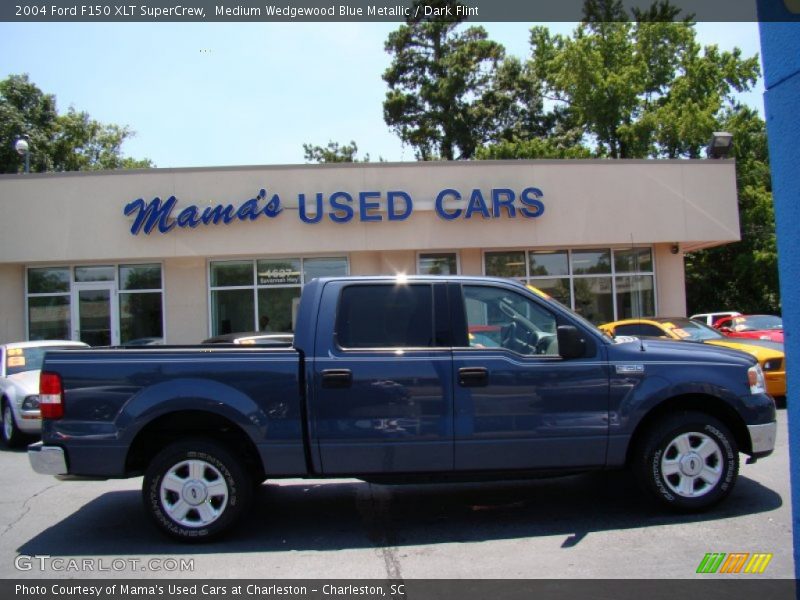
(385, 316)
(639, 329)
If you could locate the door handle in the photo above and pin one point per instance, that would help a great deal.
(337, 378)
(473, 377)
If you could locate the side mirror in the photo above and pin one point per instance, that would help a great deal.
(570, 342)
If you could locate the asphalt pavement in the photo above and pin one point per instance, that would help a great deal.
(594, 525)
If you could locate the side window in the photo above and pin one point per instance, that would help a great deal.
(639, 329)
(385, 316)
(498, 318)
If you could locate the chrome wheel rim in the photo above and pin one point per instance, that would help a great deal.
(692, 464)
(8, 423)
(194, 493)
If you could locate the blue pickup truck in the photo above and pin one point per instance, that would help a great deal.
(401, 380)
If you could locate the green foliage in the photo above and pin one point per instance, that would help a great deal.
(441, 98)
(69, 142)
(333, 153)
(741, 276)
(639, 88)
(531, 149)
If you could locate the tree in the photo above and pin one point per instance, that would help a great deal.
(642, 88)
(744, 275)
(69, 142)
(442, 99)
(332, 153)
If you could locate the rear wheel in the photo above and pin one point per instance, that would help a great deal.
(689, 461)
(12, 436)
(195, 490)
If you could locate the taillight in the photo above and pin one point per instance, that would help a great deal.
(51, 396)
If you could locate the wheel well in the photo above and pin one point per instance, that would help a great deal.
(710, 405)
(190, 423)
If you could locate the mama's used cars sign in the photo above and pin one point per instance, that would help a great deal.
(339, 207)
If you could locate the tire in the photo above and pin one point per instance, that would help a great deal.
(196, 490)
(688, 461)
(12, 436)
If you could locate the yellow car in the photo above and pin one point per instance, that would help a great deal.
(768, 354)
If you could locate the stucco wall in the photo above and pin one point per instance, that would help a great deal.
(12, 302)
(586, 203)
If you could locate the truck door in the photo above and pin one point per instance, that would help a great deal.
(382, 395)
(518, 404)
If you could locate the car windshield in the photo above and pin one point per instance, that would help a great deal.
(19, 360)
(757, 322)
(686, 329)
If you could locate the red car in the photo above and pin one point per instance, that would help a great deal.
(757, 327)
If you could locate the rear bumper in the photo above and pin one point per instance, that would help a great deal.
(47, 460)
(762, 438)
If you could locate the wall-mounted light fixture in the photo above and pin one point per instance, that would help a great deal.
(721, 144)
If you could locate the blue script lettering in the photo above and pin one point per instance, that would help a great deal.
(158, 214)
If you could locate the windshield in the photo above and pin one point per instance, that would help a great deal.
(757, 322)
(19, 360)
(686, 329)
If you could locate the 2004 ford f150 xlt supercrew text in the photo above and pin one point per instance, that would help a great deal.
(401, 380)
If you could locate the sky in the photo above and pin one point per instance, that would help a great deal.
(218, 94)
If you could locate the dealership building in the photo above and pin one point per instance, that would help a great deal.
(184, 254)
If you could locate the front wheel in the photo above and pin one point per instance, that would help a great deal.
(689, 461)
(196, 489)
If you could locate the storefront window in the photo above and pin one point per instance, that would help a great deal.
(269, 303)
(233, 311)
(48, 318)
(79, 303)
(48, 281)
(505, 264)
(589, 262)
(277, 308)
(601, 284)
(94, 273)
(141, 316)
(549, 263)
(445, 263)
(593, 299)
(49, 303)
(232, 273)
(635, 296)
(633, 260)
(140, 277)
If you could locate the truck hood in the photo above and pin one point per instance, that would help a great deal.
(652, 349)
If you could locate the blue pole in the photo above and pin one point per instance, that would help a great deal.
(780, 48)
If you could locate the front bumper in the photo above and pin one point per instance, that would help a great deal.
(47, 460)
(762, 438)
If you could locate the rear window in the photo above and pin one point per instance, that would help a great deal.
(385, 316)
(19, 360)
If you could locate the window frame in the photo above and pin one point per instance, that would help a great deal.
(572, 277)
(255, 286)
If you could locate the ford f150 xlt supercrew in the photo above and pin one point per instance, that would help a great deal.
(399, 379)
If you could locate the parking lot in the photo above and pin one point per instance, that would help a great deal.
(595, 525)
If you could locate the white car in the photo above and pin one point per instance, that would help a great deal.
(20, 363)
(711, 318)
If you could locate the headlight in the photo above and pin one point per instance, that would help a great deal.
(30, 403)
(773, 364)
(755, 377)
